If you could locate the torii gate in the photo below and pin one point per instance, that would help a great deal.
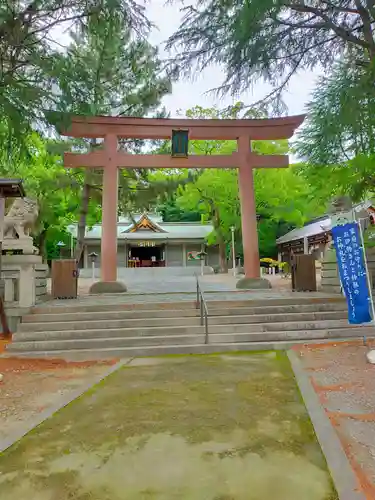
(110, 159)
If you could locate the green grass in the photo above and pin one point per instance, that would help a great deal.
(227, 427)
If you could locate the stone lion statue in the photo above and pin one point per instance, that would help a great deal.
(20, 218)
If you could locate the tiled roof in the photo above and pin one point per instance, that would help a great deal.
(317, 226)
(306, 231)
(173, 231)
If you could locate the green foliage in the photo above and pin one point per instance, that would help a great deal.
(107, 72)
(171, 212)
(271, 41)
(283, 198)
(46, 181)
(30, 54)
(338, 139)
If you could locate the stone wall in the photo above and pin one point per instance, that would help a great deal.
(330, 276)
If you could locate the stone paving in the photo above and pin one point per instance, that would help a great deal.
(140, 281)
(173, 288)
(230, 427)
(345, 384)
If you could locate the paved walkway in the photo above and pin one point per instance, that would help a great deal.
(173, 287)
(345, 384)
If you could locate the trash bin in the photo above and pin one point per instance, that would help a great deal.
(303, 273)
(64, 277)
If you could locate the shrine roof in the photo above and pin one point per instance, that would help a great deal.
(167, 230)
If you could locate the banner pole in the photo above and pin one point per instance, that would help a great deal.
(367, 274)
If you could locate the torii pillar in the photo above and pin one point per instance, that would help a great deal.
(250, 242)
(110, 160)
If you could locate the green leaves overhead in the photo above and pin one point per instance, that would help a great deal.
(271, 40)
(337, 142)
(33, 36)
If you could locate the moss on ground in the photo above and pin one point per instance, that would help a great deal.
(228, 427)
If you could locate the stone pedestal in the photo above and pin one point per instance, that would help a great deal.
(253, 284)
(24, 244)
(24, 279)
(107, 287)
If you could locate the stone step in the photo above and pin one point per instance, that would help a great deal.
(106, 332)
(190, 329)
(110, 315)
(99, 343)
(278, 341)
(78, 307)
(276, 318)
(180, 313)
(111, 324)
(183, 304)
(108, 324)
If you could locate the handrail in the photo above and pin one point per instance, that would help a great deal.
(202, 305)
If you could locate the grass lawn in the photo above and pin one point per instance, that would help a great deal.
(225, 427)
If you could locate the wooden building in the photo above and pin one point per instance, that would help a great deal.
(150, 242)
(315, 235)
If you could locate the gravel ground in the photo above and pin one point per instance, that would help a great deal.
(29, 387)
(345, 384)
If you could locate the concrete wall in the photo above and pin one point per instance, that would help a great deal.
(174, 255)
(121, 254)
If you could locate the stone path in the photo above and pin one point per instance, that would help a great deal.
(345, 385)
(148, 281)
(172, 288)
(230, 427)
(130, 298)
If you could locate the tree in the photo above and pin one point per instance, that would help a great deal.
(106, 72)
(45, 180)
(337, 142)
(171, 212)
(283, 201)
(282, 195)
(272, 41)
(29, 51)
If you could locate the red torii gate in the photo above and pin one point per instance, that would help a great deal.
(110, 159)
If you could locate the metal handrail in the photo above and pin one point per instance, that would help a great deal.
(202, 305)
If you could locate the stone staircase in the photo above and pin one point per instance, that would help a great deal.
(80, 332)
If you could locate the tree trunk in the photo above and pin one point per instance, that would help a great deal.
(81, 230)
(86, 191)
(219, 234)
(42, 238)
(223, 256)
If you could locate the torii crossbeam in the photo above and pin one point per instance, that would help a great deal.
(110, 159)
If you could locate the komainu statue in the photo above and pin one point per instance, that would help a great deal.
(18, 222)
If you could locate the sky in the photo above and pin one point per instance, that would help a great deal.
(187, 94)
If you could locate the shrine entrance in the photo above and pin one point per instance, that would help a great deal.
(110, 159)
(146, 255)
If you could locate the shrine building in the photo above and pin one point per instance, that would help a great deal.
(150, 242)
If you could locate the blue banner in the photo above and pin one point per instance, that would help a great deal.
(352, 271)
